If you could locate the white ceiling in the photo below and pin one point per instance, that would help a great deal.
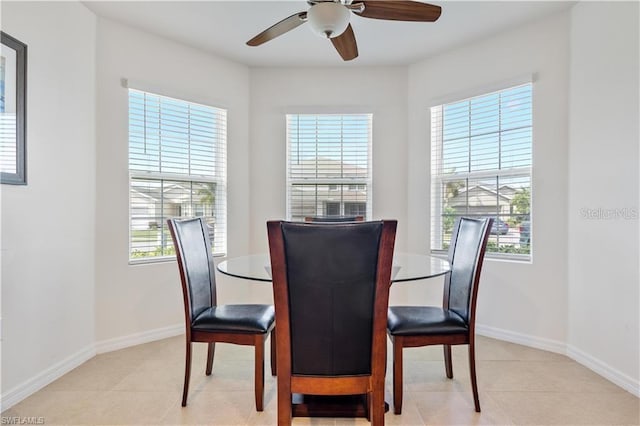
(223, 27)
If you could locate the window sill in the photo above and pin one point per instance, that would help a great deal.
(152, 260)
(498, 257)
(163, 259)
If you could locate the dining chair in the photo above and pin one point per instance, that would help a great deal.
(333, 219)
(205, 320)
(454, 322)
(331, 294)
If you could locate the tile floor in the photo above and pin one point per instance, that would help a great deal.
(518, 386)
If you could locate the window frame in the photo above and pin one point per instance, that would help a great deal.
(439, 177)
(333, 184)
(219, 179)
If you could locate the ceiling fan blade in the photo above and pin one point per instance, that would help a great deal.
(346, 44)
(400, 10)
(287, 24)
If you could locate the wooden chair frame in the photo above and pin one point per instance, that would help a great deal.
(401, 342)
(372, 385)
(257, 340)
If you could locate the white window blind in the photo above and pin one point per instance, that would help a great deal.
(177, 167)
(328, 165)
(481, 158)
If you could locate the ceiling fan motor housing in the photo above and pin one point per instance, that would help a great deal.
(328, 19)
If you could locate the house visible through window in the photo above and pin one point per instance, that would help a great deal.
(481, 158)
(328, 165)
(355, 209)
(177, 168)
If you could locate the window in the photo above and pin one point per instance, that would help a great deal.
(332, 208)
(481, 167)
(177, 168)
(355, 209)
(329, 169)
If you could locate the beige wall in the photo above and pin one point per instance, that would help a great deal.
(134, 300)
(278, 91)
(48, 257)
(604, 281)
(525, 302)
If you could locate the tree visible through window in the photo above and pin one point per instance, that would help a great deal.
(328, 167)
(481, 167)
(177, 167)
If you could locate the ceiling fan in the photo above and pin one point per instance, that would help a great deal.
(330, 19)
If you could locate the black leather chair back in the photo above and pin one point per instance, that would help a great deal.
(331, 274)
(467, 243)
(195, 261)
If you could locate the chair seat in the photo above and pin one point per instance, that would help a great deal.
(235, 318)
(424, 320)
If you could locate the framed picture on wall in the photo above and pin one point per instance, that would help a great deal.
(13, 111)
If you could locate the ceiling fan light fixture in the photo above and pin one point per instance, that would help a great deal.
(328, 19)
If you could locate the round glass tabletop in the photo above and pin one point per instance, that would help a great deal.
(406, 267)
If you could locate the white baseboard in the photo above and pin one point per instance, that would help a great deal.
(625, 382)
(138, 338)
(536, 342)
(20, 392)
(597, 366)
(12, 397)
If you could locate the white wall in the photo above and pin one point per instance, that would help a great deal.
(523, 302)
(603, 176)
(132, 300)
(48, 226)
(278, 91)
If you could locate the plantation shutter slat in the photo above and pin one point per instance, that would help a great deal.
(177, 164)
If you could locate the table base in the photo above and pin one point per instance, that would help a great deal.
(330, 406)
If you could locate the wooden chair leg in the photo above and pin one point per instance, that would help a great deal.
(397, 375)
(210, 352)
(284, 400)
(377, 406)
(472, 373)
(187, 374)
(448, 367)
(274, 367)
(259, 371)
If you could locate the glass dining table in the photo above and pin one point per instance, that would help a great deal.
(405, 267)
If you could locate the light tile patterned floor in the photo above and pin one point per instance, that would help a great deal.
(518, 386)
